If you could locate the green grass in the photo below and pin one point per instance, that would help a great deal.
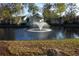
(39, 47)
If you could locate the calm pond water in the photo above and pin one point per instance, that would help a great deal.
(23, 34)
(56, 33)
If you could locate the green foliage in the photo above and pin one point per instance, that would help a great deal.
(5, 13)
(58, 8)
(18, 7)
(7, 10)
(32, 8)
(46, 11)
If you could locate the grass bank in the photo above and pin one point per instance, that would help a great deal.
(40, 47)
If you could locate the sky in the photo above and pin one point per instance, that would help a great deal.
(40, 5)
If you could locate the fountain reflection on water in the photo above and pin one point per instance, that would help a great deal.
(60, 35)
(75, 35)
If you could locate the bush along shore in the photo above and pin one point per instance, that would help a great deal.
(66, 47)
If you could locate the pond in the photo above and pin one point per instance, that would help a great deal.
(24, 34)
(56, 33)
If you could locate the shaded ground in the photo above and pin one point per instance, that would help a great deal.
(40, 47)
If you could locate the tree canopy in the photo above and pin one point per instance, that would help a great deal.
(32, 8)
(53, 10)
(7, 9)
(49, 10)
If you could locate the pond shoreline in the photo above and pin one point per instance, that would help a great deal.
(68, 25)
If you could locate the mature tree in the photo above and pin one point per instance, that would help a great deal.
(8, 9)
(47, 13)
(32, 8)
(60, 8)
(71, 11)
(53, 10)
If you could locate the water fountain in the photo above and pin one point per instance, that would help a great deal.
(39, 32)
(40, 28)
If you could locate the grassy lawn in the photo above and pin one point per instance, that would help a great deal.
(40, 47)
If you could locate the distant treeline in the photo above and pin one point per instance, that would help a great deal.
(64, 20)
